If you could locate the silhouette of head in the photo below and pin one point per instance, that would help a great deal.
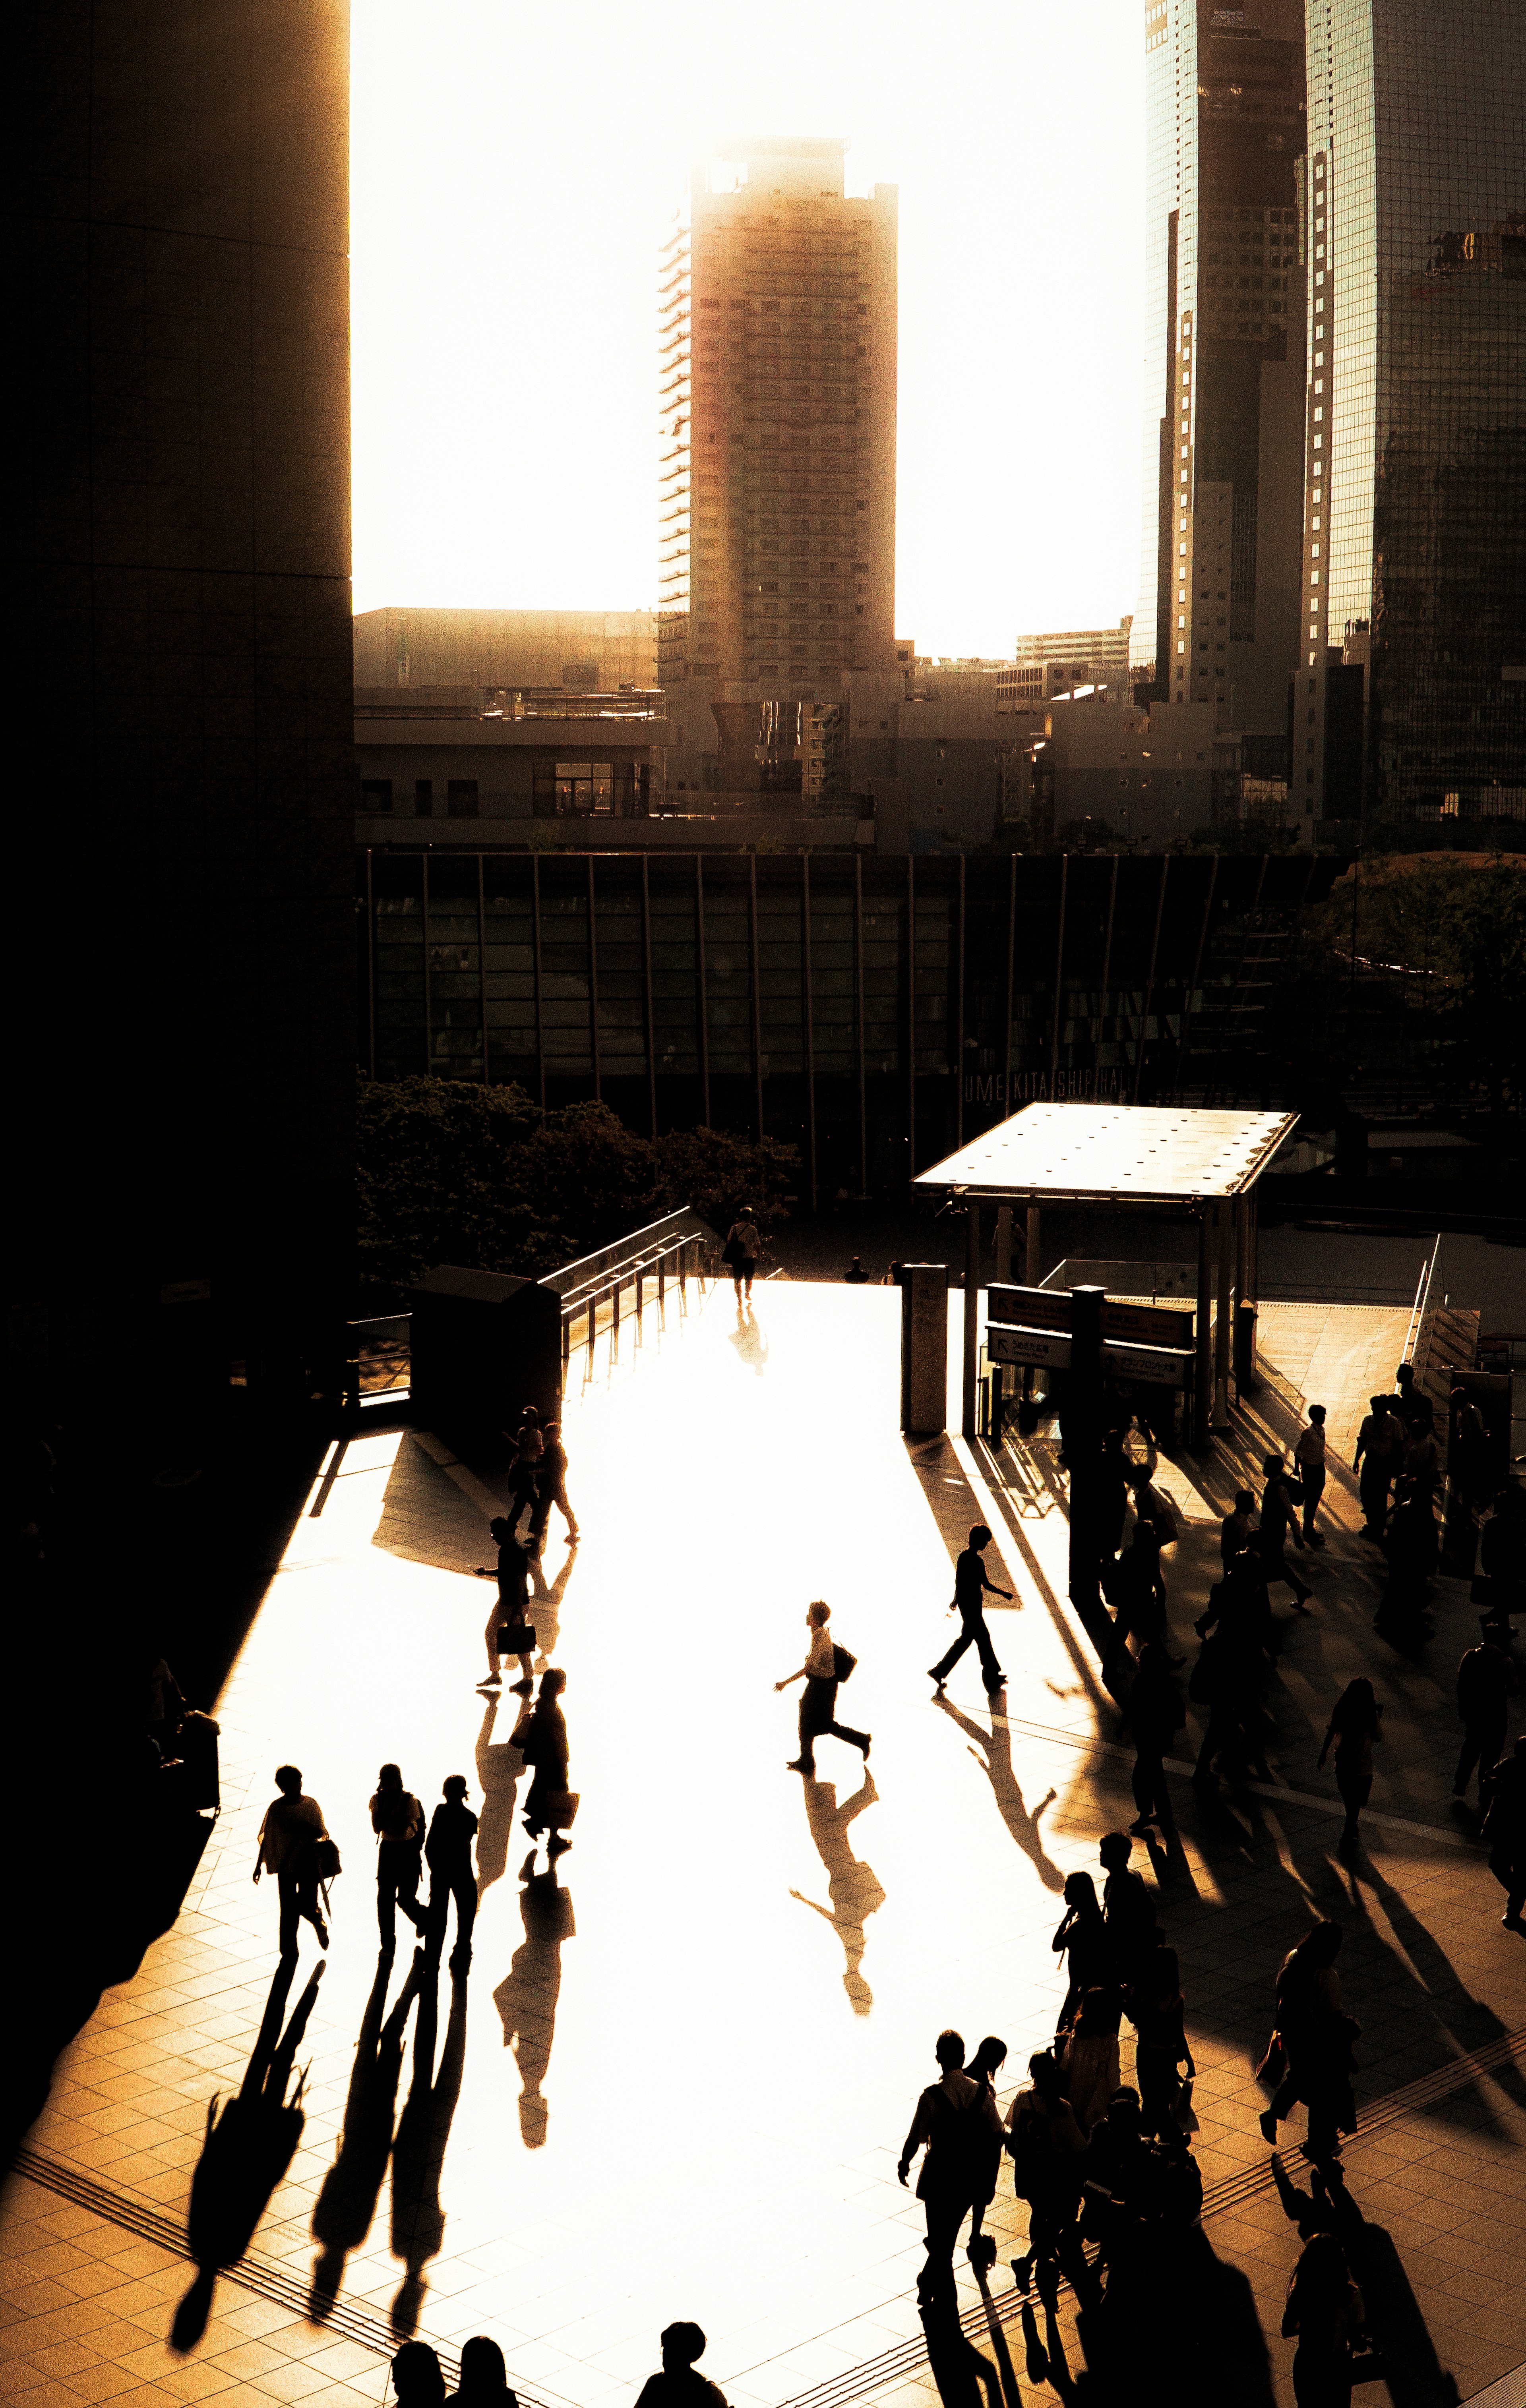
(682, 2343)
(1378, 1403)
(980, 1536)
(1321, 2275)
(1123, 2112)
(818, 1613)
(1323, 1944)
(389, 1777)
(456, 1788)
(1244, 1500)
(989, 2057)
(1045, 2075)
(948, 2048)
(416, 2377)
(503, 1532)
(483, 2374)
(1080, 1890)
(1272, 1465)
(553, 1682)
(1404, 1374)
(1114, 1849)
(1317, 1413)
(288, 1781)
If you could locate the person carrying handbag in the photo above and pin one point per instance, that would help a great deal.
(289, 1839)
(507, 1629)
(824, 1667)
(541, 1739)
(397, 1820)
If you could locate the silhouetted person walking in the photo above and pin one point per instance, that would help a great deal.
(1355, 1725)
(740, 1253)
(511, 1607)
(397, 1820)
(1309, 1461)
(452, 1827)
(954, 2116)
(544, 1748)
(1325, 2311)
(1138, 1588)
(1048, 2162)
(1504, 1827)
(1308, 1993)
(1380, 1447)
(1154, 1710)
(969, 1588)
(1486, 1683)
(551, 1488)
(1155, 2010)
(1081, 1938)
(1127, 1906)
(484, 2377)
(293, 1825)
(1238, 1528)
(985, 2064)
(1277, 1527)
(821, 1671)
(678, 2386)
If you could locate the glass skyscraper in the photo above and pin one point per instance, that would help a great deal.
(1224, 364)
(1414, 533)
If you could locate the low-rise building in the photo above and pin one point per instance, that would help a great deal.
(460, 756)
(588, 652)
(1048, 664)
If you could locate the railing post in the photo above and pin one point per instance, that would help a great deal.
(640, 1284)
(614, 1316)
(566, 1344)
(592, 1319)
(662, 1281)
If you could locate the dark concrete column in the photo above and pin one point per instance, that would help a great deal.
(1202, 1368)
(970, 1356)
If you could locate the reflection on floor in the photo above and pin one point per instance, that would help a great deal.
(690, 2095)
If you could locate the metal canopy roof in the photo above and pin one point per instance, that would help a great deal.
(1120, 1153)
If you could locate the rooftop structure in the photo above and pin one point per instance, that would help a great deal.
(1079, 1153)
(585, 650)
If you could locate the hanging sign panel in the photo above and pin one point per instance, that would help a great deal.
(1046, 1346)
(1029, 1308)
(1146, 1324)
(1162, 1363)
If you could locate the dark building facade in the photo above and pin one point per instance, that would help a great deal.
(873, 1011)
(178, 581)
(1415, 538)
(1224, 361)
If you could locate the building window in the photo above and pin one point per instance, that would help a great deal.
(375, 795)
(461, 799)
(423, 798)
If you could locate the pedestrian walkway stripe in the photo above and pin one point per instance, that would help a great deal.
(271, 2282)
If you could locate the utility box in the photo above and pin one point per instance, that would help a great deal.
(924, 1348)
(483, 1344)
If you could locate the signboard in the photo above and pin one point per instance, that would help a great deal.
(1046, 1346)
(1147, 1324)
(1029, 1308)
(1161, 1363)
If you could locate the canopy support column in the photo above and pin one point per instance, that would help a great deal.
(1223, 1323)
(969, 1359)
(1030, 1254)
(1003, 1239)
(1202, 1368)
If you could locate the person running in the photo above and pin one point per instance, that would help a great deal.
(742, 1244)
(1354, 1727)
(1309, 1457)
(821, 1672)
(954, 2116)
(510, 1607)
(970, 1590)
(293, 1825)
(397, 1820)
(543, 1742)
(447, 1851)
(551, 1488)
(1277, 1526)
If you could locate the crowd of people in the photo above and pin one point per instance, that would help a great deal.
(419, 2381)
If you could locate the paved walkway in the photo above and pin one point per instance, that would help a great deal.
(677, 2079)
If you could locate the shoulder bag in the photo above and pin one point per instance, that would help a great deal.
(515, 1639)
(844, 1663)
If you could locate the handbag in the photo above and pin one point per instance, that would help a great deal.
(844, 1663)
(517, 1639)
(559, 1808)
(325, 1859)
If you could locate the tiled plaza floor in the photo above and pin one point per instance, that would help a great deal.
(677, 2079)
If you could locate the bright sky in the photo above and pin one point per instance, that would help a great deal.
(514, 169)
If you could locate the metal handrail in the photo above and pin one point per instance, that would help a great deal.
(575, 1281)
(1421, 1310)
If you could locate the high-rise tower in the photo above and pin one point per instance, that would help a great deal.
(1411, 694)
(777, 343)
(1224, 360)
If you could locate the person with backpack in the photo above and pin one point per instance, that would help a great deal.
(1154, 1709)
(1048, 2148)
(954, 2120)
(1486, 1683)
(969, 1588)
(825, 1666)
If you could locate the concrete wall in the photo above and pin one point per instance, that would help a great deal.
(406, 647)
